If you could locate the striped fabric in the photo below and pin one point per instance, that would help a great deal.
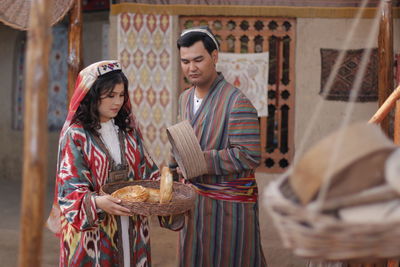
(227, 128)
(238, 190)
(218, 232)
(221, 233)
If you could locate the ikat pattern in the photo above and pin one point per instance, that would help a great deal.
(91, 238)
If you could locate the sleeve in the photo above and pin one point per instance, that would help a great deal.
(147, 166)
(172, 164)
(244, 150)
(75, 191)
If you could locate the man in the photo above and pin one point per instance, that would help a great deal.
(223, 228)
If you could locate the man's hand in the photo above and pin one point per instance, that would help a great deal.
(111, 205)
(179, 171)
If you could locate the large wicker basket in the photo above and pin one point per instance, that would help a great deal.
(311, 234)
(183, 197)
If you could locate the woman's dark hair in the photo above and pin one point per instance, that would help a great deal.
(190, 38)
(88, 114)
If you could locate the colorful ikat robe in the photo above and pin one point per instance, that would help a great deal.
(90, 237)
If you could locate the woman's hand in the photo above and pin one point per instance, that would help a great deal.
(111, 205)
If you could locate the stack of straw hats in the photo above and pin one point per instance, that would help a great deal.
(186, 150)
(347, 161)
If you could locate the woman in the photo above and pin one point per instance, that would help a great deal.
(100, 143)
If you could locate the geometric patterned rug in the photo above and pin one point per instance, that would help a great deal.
(344, 81)
(145, 48)
(57, 82)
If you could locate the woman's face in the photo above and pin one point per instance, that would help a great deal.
(111, 103)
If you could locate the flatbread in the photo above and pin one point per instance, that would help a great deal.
(166, 185)
(132, 193)
(154, 195)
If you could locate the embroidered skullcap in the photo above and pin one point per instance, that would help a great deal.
(108, 67)
(202, 30)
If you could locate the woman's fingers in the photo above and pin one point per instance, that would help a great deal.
(112, 205)
(121, 212)
(113, 199)
(117, 206)
(121, 209)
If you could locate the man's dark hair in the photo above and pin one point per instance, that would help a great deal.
(188, 39)
(88, 113)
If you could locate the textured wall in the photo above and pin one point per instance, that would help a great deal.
(11, 140)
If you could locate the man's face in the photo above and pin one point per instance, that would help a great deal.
(198, 65)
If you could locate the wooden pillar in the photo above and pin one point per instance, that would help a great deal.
(396, 134)
(74, 46)
(385, 52)
(385, 75)
(35, 135)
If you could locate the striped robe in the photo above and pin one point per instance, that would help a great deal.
(217, 232)
(88, 237)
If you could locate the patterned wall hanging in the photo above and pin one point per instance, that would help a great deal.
(18, 92)
(57, 91)
(344, 80)
(249, 73)
(144, 49)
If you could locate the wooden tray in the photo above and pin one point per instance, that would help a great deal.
(183, 197)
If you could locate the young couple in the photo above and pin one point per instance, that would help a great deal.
(100, 142)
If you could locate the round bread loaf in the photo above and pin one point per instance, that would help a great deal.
(133, 193)
(154, 195)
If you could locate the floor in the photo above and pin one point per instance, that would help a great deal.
(163, 242)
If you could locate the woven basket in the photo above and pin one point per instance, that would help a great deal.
(183, 197)
(311, 234)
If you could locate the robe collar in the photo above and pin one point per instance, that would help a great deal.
(193, 117)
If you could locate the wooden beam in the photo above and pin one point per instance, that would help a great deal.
(35, 135)
(74, 46)
(386, 107)
(385, 55)
(396, 134)
(385, 75)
